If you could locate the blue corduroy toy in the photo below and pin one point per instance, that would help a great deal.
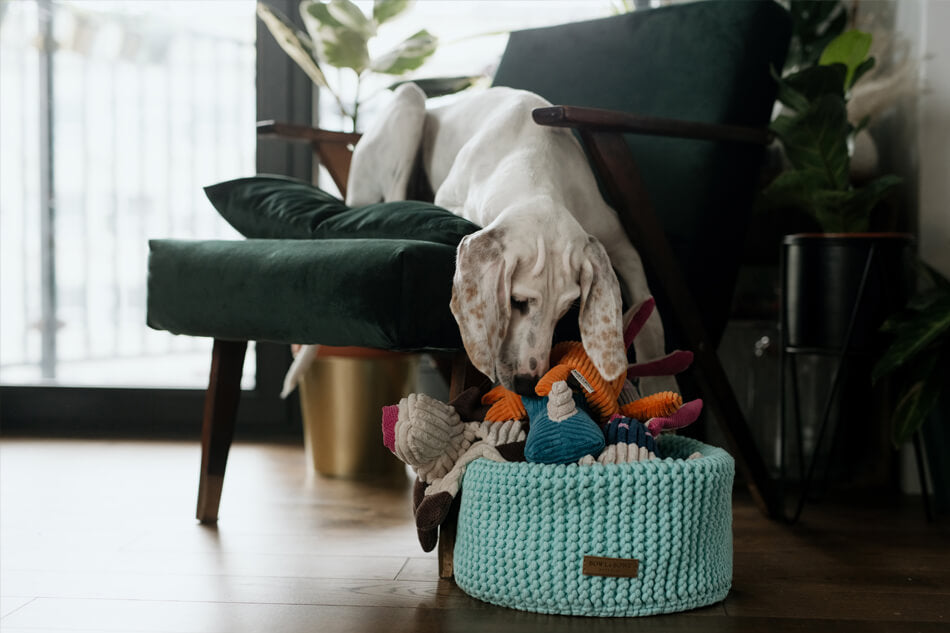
(560, 431)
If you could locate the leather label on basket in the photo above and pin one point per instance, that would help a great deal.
(613, 567)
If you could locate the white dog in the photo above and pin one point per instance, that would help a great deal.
(549, 239)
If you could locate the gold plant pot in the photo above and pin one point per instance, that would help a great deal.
(341, 398)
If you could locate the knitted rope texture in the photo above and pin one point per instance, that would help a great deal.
(524, 530)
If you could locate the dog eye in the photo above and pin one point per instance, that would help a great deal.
(519, 305)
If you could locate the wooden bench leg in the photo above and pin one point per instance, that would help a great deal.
(447, 542)
(217, 431)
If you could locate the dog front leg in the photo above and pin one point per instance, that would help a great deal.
(386, 154)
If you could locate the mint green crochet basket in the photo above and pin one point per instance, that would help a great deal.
(524, 531)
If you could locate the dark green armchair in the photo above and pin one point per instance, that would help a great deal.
(672, 105)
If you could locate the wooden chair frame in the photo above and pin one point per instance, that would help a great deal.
(602, 132)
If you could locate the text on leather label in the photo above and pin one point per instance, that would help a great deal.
(613, 567)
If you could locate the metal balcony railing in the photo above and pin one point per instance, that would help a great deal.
(111, 122)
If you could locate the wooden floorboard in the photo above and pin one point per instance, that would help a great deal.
(99, 536)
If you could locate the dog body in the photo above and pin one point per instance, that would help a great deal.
(548, 238)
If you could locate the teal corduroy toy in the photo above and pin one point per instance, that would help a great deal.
(561, 431)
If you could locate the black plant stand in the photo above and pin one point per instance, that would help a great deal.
(872, 287)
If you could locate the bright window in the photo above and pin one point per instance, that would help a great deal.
(110, 130)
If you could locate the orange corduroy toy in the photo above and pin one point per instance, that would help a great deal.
(505, 405)
(657, 405)
(569, 356)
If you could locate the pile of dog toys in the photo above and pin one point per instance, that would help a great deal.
(577, 417)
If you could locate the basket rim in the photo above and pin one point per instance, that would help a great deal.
(713, 459)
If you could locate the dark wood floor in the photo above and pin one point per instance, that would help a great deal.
(99, 536)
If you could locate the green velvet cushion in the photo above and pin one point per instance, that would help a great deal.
(275, 207)
(705, 61)
(387, 294)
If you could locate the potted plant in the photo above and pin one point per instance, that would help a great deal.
(338, 35)
(843, 280)
(917, 360)
(824, 270)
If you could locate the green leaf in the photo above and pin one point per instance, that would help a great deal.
(350, 16)
(931, 288)
(793, 189)
(914, 334)
(837, 210)
(862, 68)
(837, 213)
(337, 44)
(857, 208)
(788, 95)
(920, 390)
(812, 83)
(385, 10)
(814, 24)
(816, 139)
(294, 42)
(923, 300)
(311, 10)
(440, 86)
(851, 49)
(408, 55)
(804, 190)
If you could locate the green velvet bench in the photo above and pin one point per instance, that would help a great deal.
(672, 105)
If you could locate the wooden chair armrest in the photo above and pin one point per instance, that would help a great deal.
(595, 119)
(294, 132)
(333, 148)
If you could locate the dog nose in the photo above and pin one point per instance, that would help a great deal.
(524, 384)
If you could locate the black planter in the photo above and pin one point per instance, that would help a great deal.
(840, 418)
(822, 276)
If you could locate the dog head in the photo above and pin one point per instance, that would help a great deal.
(508, 294)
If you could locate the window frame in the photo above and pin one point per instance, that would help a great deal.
(283, 93)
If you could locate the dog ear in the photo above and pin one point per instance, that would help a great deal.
(600, 316)
(481, 291)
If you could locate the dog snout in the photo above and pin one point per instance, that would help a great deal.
(524, 384)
